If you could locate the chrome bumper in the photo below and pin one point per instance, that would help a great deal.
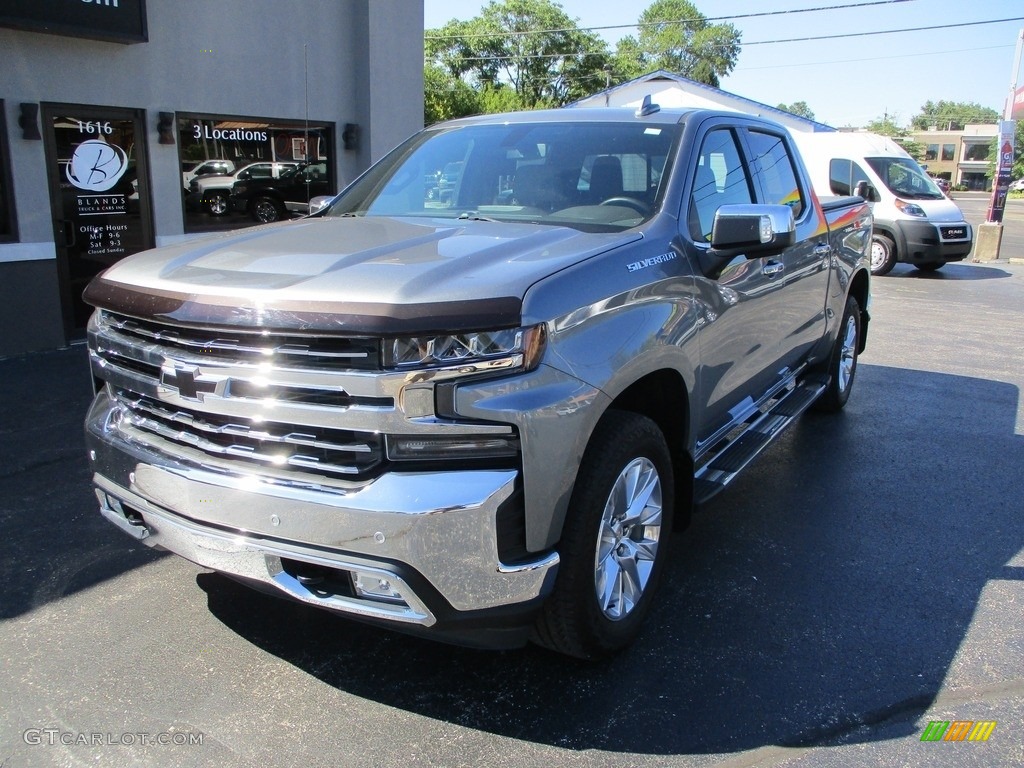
(405, 529)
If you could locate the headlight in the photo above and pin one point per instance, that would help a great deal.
(519, 347)
(911, 209)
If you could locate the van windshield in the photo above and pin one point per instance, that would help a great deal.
(905, 178)
(592, 176)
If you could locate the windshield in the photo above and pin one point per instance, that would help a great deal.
(904, 177)
(590, 176)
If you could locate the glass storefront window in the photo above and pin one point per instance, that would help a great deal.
(241, 171)
(8, 231)
(976, 152)
(948, 151)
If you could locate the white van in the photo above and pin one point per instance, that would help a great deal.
(914, 221)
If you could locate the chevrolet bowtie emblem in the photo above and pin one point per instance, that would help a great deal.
(187, 381)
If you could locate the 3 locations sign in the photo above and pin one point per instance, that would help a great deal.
(119, 21)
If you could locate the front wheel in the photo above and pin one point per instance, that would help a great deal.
(615, 540)
(217, 203)
(883, 254)
(266, 209)
(842, 363)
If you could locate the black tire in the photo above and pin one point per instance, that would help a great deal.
(842, 363)
(883, 254)
(217, 203)
(266, 209)
(604, 549)
(930, 266)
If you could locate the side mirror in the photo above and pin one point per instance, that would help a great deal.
(752, 230)
(318, 203)
(865, 190)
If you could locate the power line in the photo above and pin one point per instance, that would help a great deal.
(883, 32)
(518, 57)
(943, 52)
(682, 22)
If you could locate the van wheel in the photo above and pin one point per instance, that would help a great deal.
(930, 266)
(883, 254)
(615, 541)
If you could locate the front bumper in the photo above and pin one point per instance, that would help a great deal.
(432, 537)
(924, 241)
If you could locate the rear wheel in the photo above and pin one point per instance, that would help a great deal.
(883, 254)
(615, 540)
(842, 363)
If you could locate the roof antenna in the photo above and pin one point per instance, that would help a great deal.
(647, 108)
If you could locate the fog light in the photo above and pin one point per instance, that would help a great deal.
(374, 586)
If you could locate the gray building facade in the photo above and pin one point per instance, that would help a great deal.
(106, 104)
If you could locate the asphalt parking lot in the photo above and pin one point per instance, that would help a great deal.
(864, 578)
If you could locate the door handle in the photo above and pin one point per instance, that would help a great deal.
(823, 250)
(773, 268)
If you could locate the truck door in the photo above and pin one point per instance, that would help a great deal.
(741, 301)
(806, 264)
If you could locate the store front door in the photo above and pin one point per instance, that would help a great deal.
(99, 191)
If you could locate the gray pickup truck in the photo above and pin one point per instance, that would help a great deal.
(478, 416)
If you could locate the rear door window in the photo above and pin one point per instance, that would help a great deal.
(776, 170)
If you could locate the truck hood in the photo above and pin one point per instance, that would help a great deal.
(370, 274)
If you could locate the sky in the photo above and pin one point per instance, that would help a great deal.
(847, 81)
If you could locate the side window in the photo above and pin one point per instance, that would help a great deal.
(857, 175)
(720, 179)
(775, 167)
(839, 176)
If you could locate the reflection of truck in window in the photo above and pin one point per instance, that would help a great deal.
(479, 420)
(914, 221)
(210, 192)
(273, 199)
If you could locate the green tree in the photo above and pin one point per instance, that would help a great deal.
(887, 126)
(952, 115)
(529, 46)
(446, 96)
(798, 108)
(675, 36)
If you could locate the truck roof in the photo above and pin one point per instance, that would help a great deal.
(668, 116)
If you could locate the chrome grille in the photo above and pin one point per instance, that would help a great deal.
(237, 345)
(332, 452)
(280, 403)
